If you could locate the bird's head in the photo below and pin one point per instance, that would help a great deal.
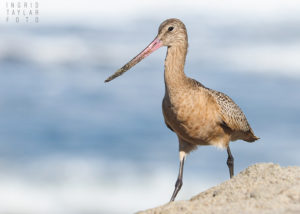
(171, 32)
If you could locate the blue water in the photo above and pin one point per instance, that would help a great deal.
(77, 144)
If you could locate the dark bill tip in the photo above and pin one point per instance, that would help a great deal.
(117, 73)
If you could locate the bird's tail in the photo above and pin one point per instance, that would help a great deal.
(250, 136)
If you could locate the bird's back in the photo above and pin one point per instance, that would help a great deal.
(232, 116)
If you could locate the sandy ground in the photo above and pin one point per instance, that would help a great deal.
(261, 188)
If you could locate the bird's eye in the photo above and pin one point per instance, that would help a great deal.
(170, 28)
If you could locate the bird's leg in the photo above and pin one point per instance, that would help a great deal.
(178, 183)
(230, 162)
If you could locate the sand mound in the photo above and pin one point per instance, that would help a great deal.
(261, 188)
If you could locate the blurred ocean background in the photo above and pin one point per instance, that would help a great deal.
(70, 144)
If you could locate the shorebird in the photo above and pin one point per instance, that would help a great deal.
(197, 114)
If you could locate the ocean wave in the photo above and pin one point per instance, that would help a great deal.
(232, 46)
(70, 184)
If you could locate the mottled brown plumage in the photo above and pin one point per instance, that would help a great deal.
(198, 115)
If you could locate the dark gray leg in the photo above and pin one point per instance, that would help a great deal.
(178, 183)
(230, 162)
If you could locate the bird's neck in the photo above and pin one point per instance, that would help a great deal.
(175, 77)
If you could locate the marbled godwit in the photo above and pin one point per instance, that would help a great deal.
(198, 115)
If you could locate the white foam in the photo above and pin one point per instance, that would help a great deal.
(107, 13)
(63, 185)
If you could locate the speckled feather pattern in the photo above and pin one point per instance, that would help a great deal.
(231, 114)
(230, 111)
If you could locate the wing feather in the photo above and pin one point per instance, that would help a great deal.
(231, 113)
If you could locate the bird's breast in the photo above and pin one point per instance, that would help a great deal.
(193, 116)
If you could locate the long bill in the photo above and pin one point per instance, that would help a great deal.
(153, 46)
